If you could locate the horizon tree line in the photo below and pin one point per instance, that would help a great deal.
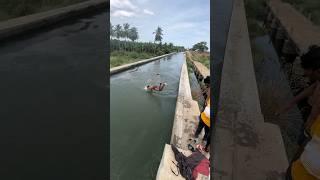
(124, 32)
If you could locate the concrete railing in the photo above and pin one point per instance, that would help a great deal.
(184, 124)
(125, 67)
(186, 114)
(24, 24)
(245, 147)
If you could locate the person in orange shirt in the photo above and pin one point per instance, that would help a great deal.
(204, 122)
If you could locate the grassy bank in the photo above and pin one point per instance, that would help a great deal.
(118, 58)
(203, 58)
(16, 8)
(310, 8)
(255, 16)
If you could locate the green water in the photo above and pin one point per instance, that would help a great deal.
(141, 122)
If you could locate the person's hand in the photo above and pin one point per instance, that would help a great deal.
(284, 109)
(307, 126)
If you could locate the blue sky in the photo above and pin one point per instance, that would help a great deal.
(184, 22)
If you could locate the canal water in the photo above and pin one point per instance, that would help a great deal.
(53, 119)
(141, 122)
(275, 92)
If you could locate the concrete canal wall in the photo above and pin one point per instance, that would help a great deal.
(31, 22)
(125, 67)
(244, 145)
(292, 34)
(184, 124)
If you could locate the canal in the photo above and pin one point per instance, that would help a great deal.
(141, 122)
(53, 114)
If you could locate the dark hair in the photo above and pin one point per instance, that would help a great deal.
(311, 59)
(207, 80)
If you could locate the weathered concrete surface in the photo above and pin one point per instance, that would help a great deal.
(24, 24)
(245, 147)
(301, 30)
(184, 125)
(186, 114)
(166, 164)
(125, 67)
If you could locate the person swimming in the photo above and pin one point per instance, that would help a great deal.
(156, 88)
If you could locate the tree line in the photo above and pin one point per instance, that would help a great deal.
(119, 34)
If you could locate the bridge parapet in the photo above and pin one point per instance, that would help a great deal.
(244, 146)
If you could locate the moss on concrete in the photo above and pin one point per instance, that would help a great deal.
(15, 8)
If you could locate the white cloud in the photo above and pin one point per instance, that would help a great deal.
(122, 13)
(142, 1)
(182, 25)
(122, 4)
(146, 11)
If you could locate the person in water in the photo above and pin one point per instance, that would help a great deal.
(157, 88)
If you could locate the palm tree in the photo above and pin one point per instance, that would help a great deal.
(158, 36)
(112, 30)
(118, 31)
(133, 34)
(126, 27)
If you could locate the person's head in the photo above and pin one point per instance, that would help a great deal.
(310, 62)
(207, 81)
(148, 86)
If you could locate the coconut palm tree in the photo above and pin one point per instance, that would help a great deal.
(125, 34)
(133, 34)
(126, 28)
(112, 31)
(118, 31)
(158, 34)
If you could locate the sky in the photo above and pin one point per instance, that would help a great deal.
(184, 22)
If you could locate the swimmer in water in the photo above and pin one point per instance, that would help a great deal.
(156, 88)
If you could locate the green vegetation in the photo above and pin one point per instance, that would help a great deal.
(201, 46)
(15, 8)
(124, 51)
(203, 58)
(118, 58)
(255, 17)
(310, 8)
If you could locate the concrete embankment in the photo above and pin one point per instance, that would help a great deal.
(125, 67)
(245, 147)
(185, 121)
(200, 70)
(28, 23)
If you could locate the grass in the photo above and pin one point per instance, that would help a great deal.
(255, 16)
(15, 8)
(310, 8)
(118, 58)
(203, 58)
